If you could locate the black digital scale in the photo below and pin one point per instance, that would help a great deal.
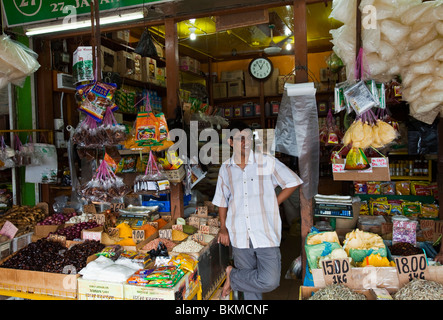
(333, 210)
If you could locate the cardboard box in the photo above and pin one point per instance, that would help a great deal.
(108, 59)
(187, 64)
(235, 88)
(53, 284)
(125, 64)
(149, 70)
(138, 66)
(121, 36)
(252, 86)
(41, 231)
(226, 76)
(271, 84)
(379, 171)
(284, 79)
(306, 292)
(219, 90)
(99, 290)
(160, 50)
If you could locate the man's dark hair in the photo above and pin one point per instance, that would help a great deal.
(237, 124)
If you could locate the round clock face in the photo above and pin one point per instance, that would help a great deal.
(260, 68)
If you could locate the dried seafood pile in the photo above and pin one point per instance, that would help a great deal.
(419, 289)
(337, 292)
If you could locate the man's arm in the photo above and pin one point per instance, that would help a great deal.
(223, 235)
(284, 194)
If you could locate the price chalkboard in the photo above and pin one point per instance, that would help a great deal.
(336, 271)
(411, 267)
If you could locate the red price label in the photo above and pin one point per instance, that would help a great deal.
(338, 167)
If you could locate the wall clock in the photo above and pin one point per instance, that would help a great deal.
(260, 68)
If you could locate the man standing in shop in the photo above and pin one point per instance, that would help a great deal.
(249, 214)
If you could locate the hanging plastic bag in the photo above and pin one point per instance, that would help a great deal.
(21, 158)
(6, 155)
(146, 47)
(46, 170)
(146, 129)
(85, 135)
(111, 131)
(153, 181)
(104, 186)
(16, 62)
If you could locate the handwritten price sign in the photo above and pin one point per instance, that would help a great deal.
(411, 267)
(336, 271)
(379, 162)
(338, 167)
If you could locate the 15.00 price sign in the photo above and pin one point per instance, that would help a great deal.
(336, 271)
(411, 267)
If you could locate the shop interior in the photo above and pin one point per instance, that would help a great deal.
(195, 70)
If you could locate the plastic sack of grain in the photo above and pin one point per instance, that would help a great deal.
(432, 14)
(424, 67)
(422, 30)
(386, 52)
(431, 95)
(439, 55)
(344, 10)
(415, 12)
(427, 51)
(343, 40)
(370, 39)
(376, 66)
(420, 83)
(394, 31)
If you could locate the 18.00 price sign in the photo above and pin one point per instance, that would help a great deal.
(336, 271)
(411, 267)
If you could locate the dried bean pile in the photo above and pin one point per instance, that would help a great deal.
(154, 244)
(188, 246)
(51, 256)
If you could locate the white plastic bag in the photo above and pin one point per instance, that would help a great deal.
(415, 12)
(16, 61)
(428, 50)
(393, 31)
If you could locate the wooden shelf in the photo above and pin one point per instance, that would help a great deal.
(415, 178)
(146, 85)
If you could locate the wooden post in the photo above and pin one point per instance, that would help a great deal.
(171, 53)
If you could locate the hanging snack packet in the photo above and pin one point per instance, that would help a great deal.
(411, 209)
(360, 98)
(420, 188)
(163, 131)
(146, 129)
(97, 98)
(429, 211)
(373, 187)
(387, 187)
(402, 188)
(356, 160)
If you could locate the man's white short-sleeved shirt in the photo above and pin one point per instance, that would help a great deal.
(249, 194)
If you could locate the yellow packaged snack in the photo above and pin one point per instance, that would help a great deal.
(376, 260)
(185, 261)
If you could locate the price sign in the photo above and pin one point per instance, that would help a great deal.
(214, 222)
(338, 167)
(165, 233)
(116, 207)
(9, 230)
(100, 218)
(92, 235)
(138, 235)
(199, 237)
(202, 211)
(379, 162)
(411, 267)
(204, 229)
(336, 271)
(178, 227)
(89, 208)
(113, 232)
(194, 221)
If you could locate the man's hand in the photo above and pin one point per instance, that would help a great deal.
(223, 236)
(439, 257)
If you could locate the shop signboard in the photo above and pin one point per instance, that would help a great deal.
(22, 12)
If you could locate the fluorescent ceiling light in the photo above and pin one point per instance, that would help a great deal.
(84, 23)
